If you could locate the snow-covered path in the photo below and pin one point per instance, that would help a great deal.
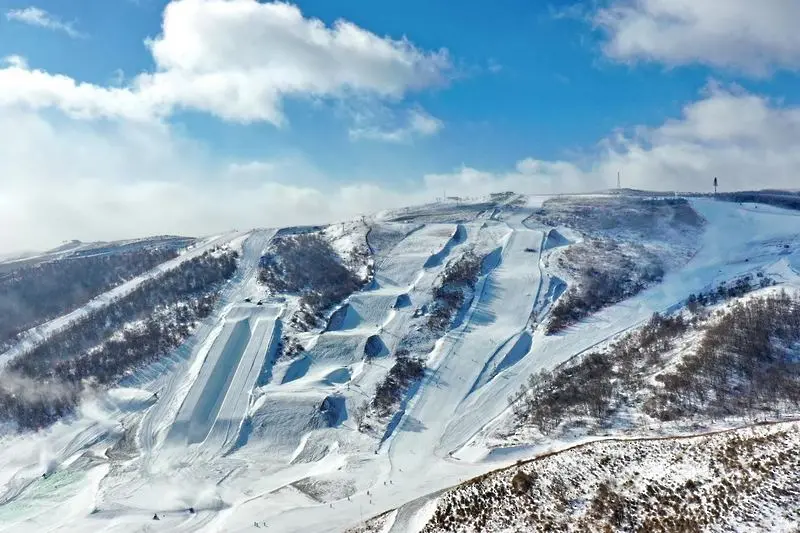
(506, 297)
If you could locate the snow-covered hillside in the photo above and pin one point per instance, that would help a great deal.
(362, 368)
(742, 480)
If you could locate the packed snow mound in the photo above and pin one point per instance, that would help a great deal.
(383, 236)
(345, 317)
(280, 421)
(130, 399)
(334, 410)
(375, 347)
(555, 240)
(403, 300)
(459, 236)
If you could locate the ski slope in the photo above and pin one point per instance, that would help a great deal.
(215, 408)
(194, 356)
(35, 335)
(310, 380)
(449, 412)
(506, 299)
(245, 439)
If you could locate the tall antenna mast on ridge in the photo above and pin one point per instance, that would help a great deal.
(619, 186)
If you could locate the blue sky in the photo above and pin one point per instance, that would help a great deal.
(542, 97)
(553, 94)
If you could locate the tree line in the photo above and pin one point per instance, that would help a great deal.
(745, 363)
(34, 294)
(609, 274)
(306, 265)
(390, 391)
(101, 347)
(456, 287)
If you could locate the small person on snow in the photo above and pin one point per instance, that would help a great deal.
(155, 516)
(191, 510)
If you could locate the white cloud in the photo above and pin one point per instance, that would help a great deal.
(37, 89)
(259, 169)
(529, 176)
(425, 124)
(65, 178)
(35, 16)
(746, 35)
(287, 169)
(15, 61)
(751, 37)
(238, 60)
(749, 142)
(418, 123)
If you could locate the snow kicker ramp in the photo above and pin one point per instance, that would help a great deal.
(345, 317)
(458, 237)
(218, 400)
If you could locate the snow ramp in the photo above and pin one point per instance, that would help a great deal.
(280, 420)
(345, 317)
(507, 355)
(401, 267)
(458, 237)
(219, 397)
(555, 239)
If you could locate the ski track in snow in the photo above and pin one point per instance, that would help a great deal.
(242, 452)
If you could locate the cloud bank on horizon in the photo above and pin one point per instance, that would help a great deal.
(754, 37)
(93, 161)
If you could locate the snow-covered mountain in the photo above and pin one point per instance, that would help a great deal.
(355, 375)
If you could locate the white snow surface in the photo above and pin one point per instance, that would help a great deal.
(244, 439)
